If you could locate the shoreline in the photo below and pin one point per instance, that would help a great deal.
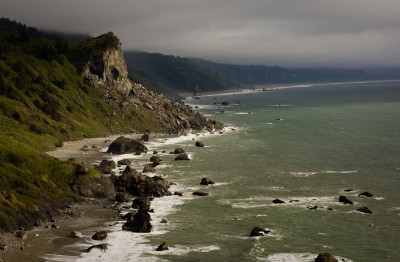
(270, 87)
(90, 216)
(53, 244)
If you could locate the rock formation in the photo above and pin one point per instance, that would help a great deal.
(123, 145)
(258, 231)
(345, 200)
(326, 257)
(107, 71)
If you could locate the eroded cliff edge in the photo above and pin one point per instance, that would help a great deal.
(107, 71)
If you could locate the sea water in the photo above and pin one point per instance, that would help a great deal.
(306, 146)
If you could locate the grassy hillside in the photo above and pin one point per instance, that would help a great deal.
(261, 74)
(173, 73)
(43, 102)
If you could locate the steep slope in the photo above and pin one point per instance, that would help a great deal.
(174, 73)
(51, 91)
(261, 74)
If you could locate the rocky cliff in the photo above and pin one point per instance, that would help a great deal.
(108, 72)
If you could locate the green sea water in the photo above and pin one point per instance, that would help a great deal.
(305, 146)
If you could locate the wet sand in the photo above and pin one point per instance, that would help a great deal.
(93, 215)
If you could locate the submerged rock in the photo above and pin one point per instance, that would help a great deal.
(75, 234)
(182, 156)
(156, 160)
(345, 200)
(148, 168)
(145, 137)
(364, 210)
(278, 201)
(101, 235)
(326, 257)
(162, 247)
(199, 193)
(102, 247)
(258, 231)
(178, 151)
(199, 144)
(366, 194)
(205, 181)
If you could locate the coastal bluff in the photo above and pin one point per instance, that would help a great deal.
(54, 91)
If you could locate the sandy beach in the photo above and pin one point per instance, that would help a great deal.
(88, 217)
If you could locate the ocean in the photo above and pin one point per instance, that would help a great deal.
(305, 145)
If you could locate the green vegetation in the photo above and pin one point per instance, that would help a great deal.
(172, 73)
(43, 102)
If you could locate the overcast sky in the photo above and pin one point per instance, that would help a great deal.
(333, 33)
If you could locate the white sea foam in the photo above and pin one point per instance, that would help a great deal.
(243, 113)
(295, 257)
(302, 174)
(130, 246)
(183, 250)
(339, 172)
(311, 173)
(262, 201)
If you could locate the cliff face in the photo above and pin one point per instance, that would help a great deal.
(108, 72)
(108, 68)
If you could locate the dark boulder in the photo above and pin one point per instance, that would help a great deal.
(178, 151)
(124, 162)
(122, 197)
(258, 231)
(101, 235)
(106, 166)
(83, 170)
(148, 168)
(366, 194)
(178, 193)
(140, 223)
(349, 190)
(137, 184)
(141, 203)
(198, 193)
(205, 181)
(75, 234)
(225, 103)
(345, 200)
(156, 160)
(145, 137)
(278, 201)
(94, 186)
(162, 247)
(102, 247)
(364, 210)
(199, 144)
(123, 145)
(182, 156)
(325, 257)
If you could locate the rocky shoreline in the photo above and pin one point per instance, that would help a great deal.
(132, 202)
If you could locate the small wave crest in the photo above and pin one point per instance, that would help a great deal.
(295, 257)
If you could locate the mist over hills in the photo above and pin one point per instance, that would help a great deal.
(172, 74)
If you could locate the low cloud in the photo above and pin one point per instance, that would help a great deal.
(351, 33)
